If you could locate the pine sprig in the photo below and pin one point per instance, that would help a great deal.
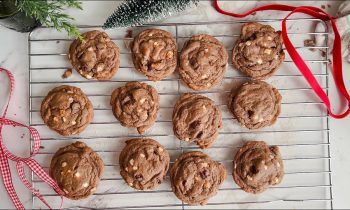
(139, 12)
(50, 13)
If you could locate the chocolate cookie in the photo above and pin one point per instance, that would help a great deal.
(203, 62)
(97, 57)
(258, 52)
(77, 169)
(67, 110)
(154, 53)
(143, 163)
(135, 105)
(256, 105)
(257, 166)
(196, 119)
(195, 177)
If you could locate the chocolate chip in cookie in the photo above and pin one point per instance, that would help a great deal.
(195, 177)
(67, 110)
(97, 57)
(258, 52)
(256, 104)
(154, 53)
(257, 166)
(143, 163)
(77, 169)
(196, 119)
(203, 62)
(135, 105)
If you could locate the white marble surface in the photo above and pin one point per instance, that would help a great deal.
(13, 56)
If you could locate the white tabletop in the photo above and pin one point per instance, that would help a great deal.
(14, 56)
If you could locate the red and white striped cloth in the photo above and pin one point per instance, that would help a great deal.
(6, 155)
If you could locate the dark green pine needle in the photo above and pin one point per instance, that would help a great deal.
(139, 12)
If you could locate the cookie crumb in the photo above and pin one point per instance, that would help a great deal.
(131, 161)
(142, 155)
(77, 175)
(323, 6)
(128, 33)
(134, 168)
(310, 43)
(64, 164)
(67, 73)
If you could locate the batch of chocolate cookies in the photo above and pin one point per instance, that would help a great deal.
(144, 162)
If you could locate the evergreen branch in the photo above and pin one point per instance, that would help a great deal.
(49, 13)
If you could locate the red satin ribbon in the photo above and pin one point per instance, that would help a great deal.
(6, 155)
(299, 62)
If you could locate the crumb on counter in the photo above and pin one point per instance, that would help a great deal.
(67, 73)
(310, 43)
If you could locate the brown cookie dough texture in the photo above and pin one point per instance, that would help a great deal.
(258, 52)
(97, 57)
(257, 166)
(135, 105)
(67, 110)
(195, 177)
(256, 104)
(154, 53)
(143, 163)
(203, 62)
(196, 119)
(77, 169)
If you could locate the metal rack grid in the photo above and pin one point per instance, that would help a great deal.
(302, 131)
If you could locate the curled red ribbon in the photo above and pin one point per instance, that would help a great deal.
(299, 62)
(6, 155)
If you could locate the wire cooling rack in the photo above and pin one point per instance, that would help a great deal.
(301, 132)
